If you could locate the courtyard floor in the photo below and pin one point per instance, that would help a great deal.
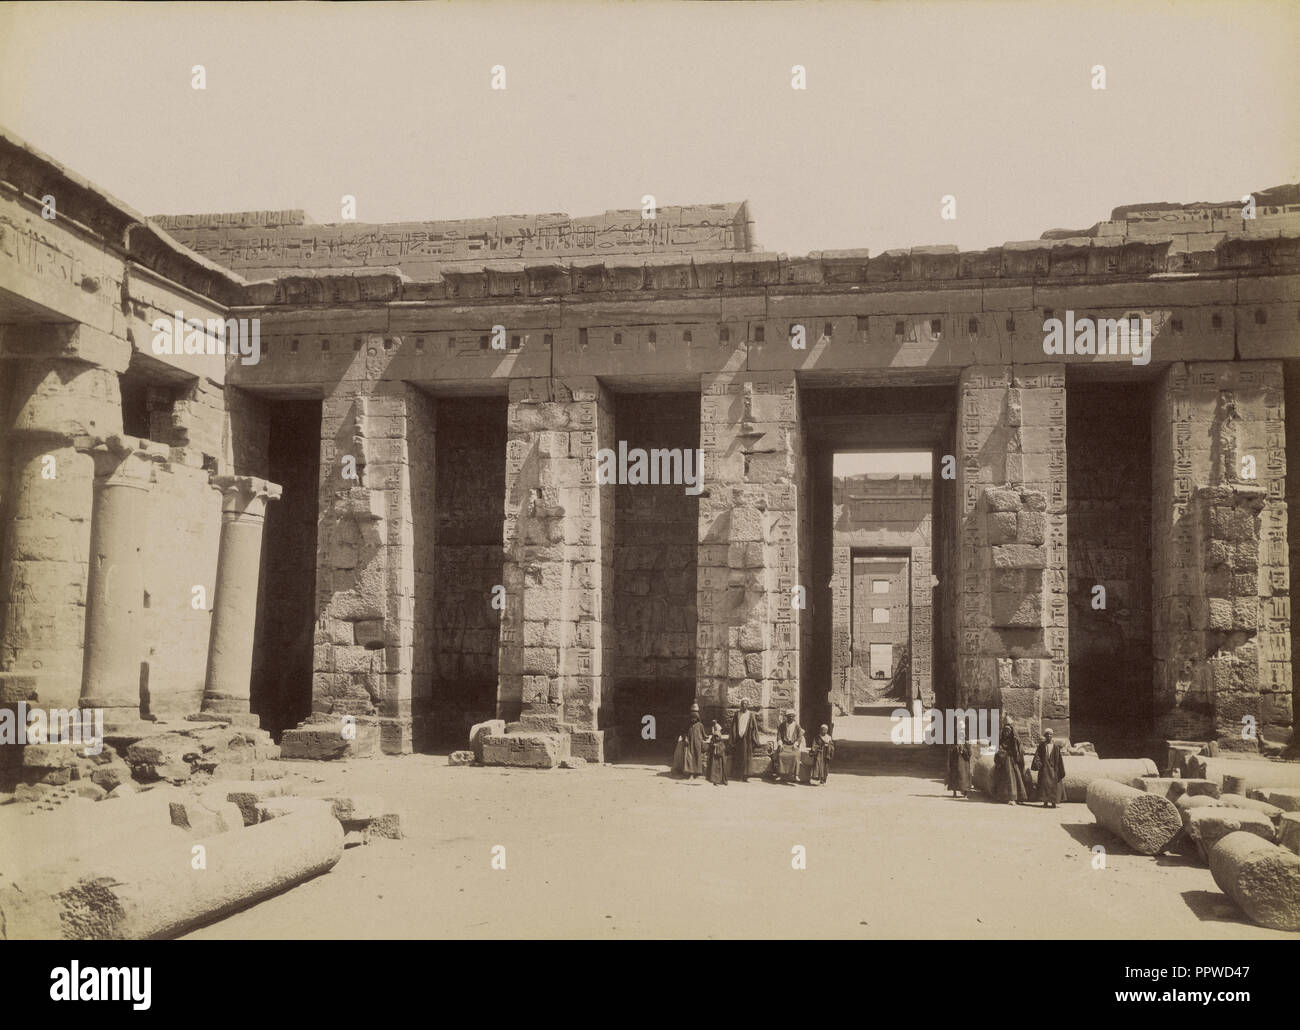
(626, 851)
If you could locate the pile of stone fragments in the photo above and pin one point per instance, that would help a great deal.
(168, 827)
(1238, 815)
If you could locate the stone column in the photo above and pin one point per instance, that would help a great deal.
(1012, 612)
(559, 558)
(748, 630)
(53, 403)
(116, 581)
(226, 689)
(1221, 584)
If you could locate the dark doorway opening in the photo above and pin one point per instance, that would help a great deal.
(1108, 477)
(282, 671)
(469, 513)
(656, 533)
(890, 504)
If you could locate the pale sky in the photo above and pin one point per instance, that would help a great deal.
(991, 103)
(889, 463)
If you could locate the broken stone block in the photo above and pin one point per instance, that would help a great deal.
(1256, 772)
(1261, 878)
(1285, 798)
(28, 792)
(1188, 804)
(357, 808)
(1147, 823)
(588, 745)
(277, 807)
(573, 762)
(162, 749)
(48, 756)
(461, 758)
(327, 740)
(204, 815)
(1288, 831)
(52, 777)
(109, 776)
(1081, 771)
(387, 826)
(1206, 826)
(526, 750)
(90, 789)
(480, 730)
(248, 794)
(1174, 788)
(169, 772)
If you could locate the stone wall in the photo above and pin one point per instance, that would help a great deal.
(1221, 625)
(468, 563)
(1109, 439)
(655, 554)
(263, 242)
(865, 688)
(749, 631)
(1291, 439)
(1013, 608)
(884, 513)
(370, 553)
(555, 661)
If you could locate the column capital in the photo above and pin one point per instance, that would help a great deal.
(245, 495)
(122, 460)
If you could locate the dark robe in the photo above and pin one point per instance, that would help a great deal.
(1009, 768)
(717, 760)
(1051, 773)
(743, 745)
(823, 750)
(693, 750)
(789, 745)
(959, 767)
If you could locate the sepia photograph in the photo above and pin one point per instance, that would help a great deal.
(570, 470)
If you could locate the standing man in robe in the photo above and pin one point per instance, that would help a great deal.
(959, 777)
(789, 747)
(1050, 766)
(1009, 767)
(693, 745)
(717, 756)
(822, 751)
(744, 740)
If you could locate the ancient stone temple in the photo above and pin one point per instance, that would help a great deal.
(370, 485)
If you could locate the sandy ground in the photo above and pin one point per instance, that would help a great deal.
(626, 851)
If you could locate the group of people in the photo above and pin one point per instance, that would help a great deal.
(706, 754)
(1009, 784)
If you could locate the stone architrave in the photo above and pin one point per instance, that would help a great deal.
(226, 689)
(124, 470)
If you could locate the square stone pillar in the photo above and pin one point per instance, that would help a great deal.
(751, 512)
(375, 542)
(1221, 583)
(1012, 610)
(559, 560)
